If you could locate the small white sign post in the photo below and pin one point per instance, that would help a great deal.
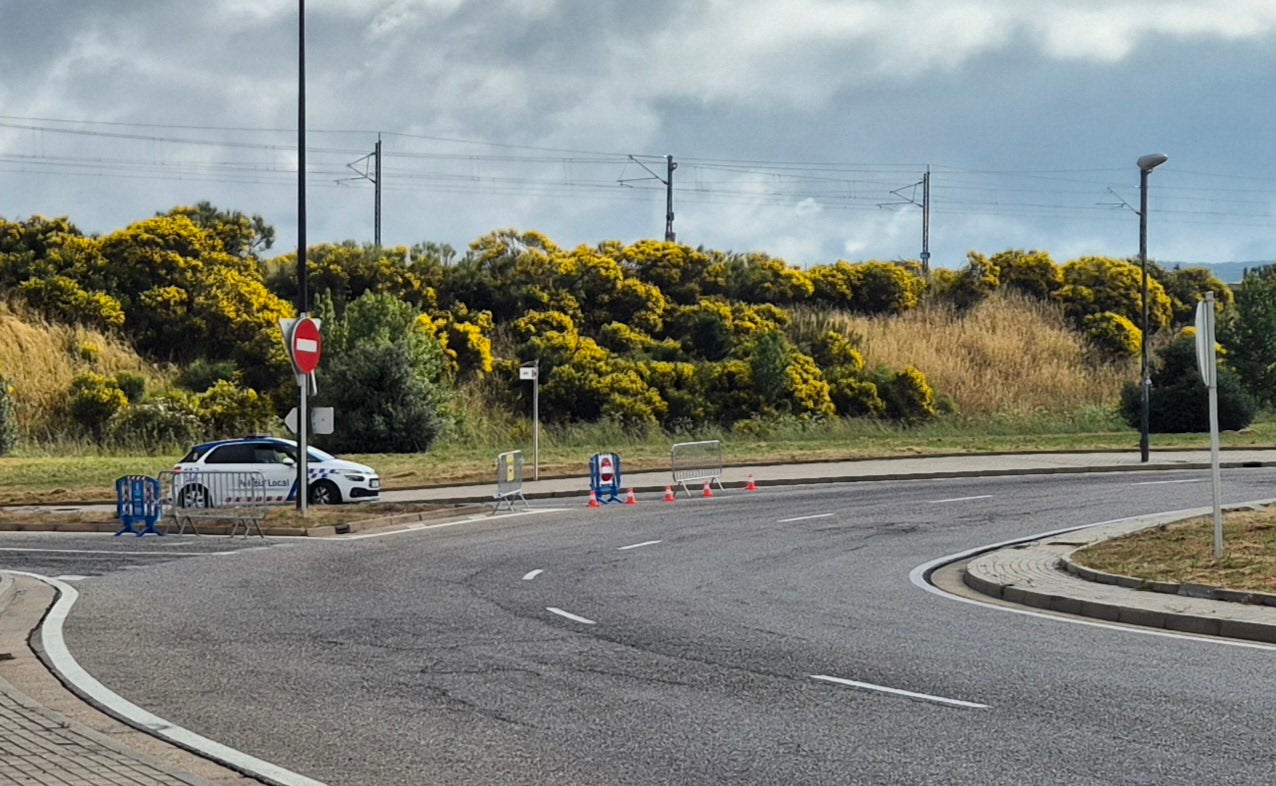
(532, 371)
(1207, 360)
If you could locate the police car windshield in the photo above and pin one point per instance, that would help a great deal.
(316, 454)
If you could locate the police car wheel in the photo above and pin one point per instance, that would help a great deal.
(324, 492)
(193, 497)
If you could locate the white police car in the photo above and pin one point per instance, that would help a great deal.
(331, 480)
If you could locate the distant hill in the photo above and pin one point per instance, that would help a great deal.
(1229, 273)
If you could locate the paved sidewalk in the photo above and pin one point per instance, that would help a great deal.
(920, 467)
(51, 737)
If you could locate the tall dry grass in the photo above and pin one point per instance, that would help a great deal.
(1010, 356)
(40, 359)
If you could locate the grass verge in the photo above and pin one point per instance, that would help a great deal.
(1183, 552)
(43, 479)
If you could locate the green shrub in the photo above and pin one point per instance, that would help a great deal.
(8, 418)
(62, 299)
(854, 397)
(167, 421)
(1114, 336)
(228, 410)
(94, 400)
(203, 373)
(908, 396)
(1178, 401)
(383, 405)
(133, 385)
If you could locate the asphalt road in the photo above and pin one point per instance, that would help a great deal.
(705, 641)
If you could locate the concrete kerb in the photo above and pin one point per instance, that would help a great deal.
(1010, 572)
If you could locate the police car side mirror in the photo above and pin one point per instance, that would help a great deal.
(289, 461)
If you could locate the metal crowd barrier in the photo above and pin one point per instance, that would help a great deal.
(509, 480)
(215, 495)
(696, 462)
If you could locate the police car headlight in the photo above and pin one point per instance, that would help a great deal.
(354, 477)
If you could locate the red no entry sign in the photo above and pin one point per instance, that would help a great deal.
(306, 345)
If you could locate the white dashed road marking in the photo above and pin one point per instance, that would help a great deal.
(569, 616)
(639, 545)
(1164, 482)
(804, 518)
(958, 499)
(897, 692)
(532, 574)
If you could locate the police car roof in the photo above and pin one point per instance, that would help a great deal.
(262, 438)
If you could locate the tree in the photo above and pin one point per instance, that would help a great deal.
(1033, 273)
(1249, 335)
(239, 235)
(383, 373)
(1187, 286)
(1093, 285)
(345, 271)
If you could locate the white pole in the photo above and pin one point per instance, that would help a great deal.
(536, 423)
(1212, 367)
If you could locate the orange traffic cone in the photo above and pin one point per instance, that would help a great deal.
(669, 497)
(708, 492)
(631, 499)
(593, 499)
(751, 485)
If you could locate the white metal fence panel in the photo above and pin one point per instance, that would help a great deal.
(509, 480)
(215, 495)
(696, 462)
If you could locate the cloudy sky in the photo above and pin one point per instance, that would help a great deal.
(799, 127)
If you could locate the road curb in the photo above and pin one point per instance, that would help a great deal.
(1134, 610)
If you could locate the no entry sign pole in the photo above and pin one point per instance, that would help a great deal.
(305, 346)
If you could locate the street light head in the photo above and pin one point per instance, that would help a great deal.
(1152, 161)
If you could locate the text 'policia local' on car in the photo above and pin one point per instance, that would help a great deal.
(331, 480)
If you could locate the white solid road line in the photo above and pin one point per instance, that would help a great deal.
(532, 574)
(918, 577)
(958, 499)
(1164, 482)
(570, 616)
(86, 684)
(805, 518)
(164, 554)
(639, 545)
(897, 692)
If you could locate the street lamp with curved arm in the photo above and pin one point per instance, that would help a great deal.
(1146, 164)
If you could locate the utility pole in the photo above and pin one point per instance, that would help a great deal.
(377, 186)
(369, 168)
(911, 199)
(669, 233)
(667, 180)
(303, 283)
(926, 223)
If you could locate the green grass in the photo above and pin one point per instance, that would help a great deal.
(1184, 553)
(90, 476)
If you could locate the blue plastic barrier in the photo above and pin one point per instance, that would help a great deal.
(604, 477)
(138, 501)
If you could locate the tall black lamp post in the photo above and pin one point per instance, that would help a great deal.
(1146, 164)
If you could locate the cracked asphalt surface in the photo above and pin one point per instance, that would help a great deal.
(427, 657)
